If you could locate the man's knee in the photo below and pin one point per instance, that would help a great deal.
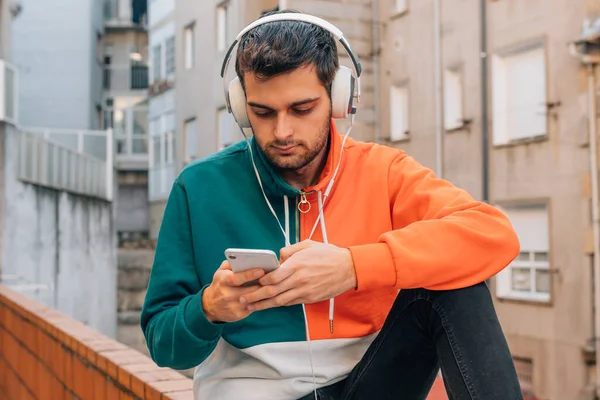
(473, 297)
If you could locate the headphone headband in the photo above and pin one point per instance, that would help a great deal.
(311, 19)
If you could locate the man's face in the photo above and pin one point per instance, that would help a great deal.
(290, 116)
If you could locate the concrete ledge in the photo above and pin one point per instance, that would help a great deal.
(45, 354)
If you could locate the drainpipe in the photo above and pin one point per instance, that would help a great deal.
(485, 151)
(439, 131)
(376, 51)
(591, 71)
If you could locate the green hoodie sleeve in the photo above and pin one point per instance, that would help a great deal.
(177, 332)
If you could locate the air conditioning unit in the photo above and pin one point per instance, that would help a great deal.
(8, 93)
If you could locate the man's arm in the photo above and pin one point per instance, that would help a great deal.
(442, 238)
(177, 331)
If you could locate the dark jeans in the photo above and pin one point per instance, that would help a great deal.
(457, 331)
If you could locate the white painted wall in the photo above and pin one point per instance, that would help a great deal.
(5, 30)
(55, 48)
(64, 241)
(159, 10)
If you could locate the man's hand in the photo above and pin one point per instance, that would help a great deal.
(310, 272)
(221, 299)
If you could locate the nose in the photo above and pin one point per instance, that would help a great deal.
(283, 127)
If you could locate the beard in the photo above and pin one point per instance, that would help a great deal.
(304, 152)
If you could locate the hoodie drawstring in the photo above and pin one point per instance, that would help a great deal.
(286, 231)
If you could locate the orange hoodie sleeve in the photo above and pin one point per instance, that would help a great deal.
(442, 238)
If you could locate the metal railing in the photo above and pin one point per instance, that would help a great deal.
(125, 77)
(58, 159)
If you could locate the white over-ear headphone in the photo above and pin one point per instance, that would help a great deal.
(345, 88)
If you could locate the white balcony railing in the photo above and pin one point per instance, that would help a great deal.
(80, 162)
(8, 93)
(130, 127)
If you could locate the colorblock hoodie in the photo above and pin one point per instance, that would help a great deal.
(404, 227)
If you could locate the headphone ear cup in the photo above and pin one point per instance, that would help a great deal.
(237, 102)
(342, 90)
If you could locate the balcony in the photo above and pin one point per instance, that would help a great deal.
(125, 14)
(47, 355)
(75, 161)
(125, 78)
(130, 125)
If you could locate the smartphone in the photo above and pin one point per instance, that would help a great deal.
(245, 259)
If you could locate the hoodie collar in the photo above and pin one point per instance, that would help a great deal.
(274, 184)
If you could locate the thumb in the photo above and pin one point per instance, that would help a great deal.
(225, 266)
(288, 251)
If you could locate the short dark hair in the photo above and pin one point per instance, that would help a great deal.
(283, 46)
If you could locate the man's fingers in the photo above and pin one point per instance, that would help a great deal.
(288, 251)
(239, 278)
(287, 298)
(277, 276)
(264, 292)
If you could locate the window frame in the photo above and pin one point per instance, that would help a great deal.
(460, 98)
(223, 10)
(157, 65)
(504, 279)
(220, 144)
(501, 135)
(186, 153)
(404, 90)
(189, 44)
(399, 7)
(170, 56)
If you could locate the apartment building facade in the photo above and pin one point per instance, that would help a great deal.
(535, 152)
(125, 109)
(161, 103)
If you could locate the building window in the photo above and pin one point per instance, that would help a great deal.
(453, 99)
(227, 128)
(400, 6)
(519, 95)
(156, 151)
(191, 133)
(188, 40)
(399, 112)
(157, 62)
(170, 153)
(170, 56)
(222, 27)
(528, 275)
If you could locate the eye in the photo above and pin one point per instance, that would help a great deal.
(303, 110)
(263, 114)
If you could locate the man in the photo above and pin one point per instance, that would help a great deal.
(386, 224)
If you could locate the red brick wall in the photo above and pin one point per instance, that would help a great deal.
(46, 355)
